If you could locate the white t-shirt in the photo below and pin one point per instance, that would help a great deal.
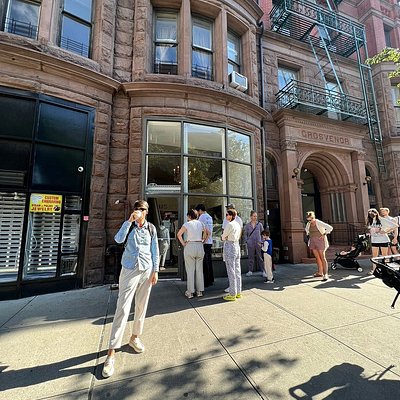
(378, 232)
(237, 219)
(194, 230)
(232, 231)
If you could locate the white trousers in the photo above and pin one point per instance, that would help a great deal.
(268, 266)
(132, 282)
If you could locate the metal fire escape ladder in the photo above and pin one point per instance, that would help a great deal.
(371, 107)
(325, 59)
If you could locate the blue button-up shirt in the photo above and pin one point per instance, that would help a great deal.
(141, 249)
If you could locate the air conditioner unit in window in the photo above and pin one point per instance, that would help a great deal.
(238, 81)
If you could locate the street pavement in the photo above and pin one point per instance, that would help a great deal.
(299, 338)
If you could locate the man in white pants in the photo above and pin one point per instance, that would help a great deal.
(138, 274)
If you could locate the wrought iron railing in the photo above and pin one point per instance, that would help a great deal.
(300, 93)
(20, 28)
(317, 15)
(74, 46)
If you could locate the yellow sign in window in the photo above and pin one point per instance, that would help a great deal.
(45, 203)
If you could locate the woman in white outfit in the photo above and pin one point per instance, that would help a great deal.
(196, 234)
(378, 232)
(231, 236)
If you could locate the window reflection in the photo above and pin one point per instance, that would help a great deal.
(205, 175)
(240, 180)
(204, 140)
(238, 146)
(23, 18)
(164, 137)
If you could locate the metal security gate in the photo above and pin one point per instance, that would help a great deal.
(45, 169)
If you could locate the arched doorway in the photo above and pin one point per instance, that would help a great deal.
(326, 190)
(310, 196)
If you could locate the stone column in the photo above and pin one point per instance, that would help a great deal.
(294, 248)
(220, 48)
(185, 41)
(361, 194)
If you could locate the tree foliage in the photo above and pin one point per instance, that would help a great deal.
(386, 55)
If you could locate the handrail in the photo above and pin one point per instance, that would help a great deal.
(318, 15)
(297, 92)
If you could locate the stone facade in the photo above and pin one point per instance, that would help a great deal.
(119, 83)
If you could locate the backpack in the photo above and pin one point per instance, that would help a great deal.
(150, 227)
(389, 276)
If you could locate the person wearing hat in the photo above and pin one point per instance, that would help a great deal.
(138, 274)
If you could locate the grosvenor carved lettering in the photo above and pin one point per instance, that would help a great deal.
(325, 137)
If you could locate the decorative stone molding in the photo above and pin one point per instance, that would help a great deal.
(288, 144)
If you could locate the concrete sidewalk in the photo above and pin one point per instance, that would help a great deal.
(298, 338)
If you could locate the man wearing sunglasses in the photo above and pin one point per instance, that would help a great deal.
(138, 274)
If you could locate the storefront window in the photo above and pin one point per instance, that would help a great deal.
(240, 183)
(239, 147)
(205, 175)
(205, 140)
(164, 137)
(203, 172)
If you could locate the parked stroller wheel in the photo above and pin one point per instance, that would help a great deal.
(359, 269)
(333, 266)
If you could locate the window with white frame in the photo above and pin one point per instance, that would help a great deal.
(286, 75)
(202, 49)
(234, 51)
(166, 43)
(76, 26)
(22, 18)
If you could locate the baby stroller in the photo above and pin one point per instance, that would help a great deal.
(348, 260)
(388, 269)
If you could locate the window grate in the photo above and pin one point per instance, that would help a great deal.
(12, 207)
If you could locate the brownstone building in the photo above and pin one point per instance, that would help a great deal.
(185, 102)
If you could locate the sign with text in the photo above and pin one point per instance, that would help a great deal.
(45, 203)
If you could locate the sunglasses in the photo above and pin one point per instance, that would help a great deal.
(140, 208)
(228, 215)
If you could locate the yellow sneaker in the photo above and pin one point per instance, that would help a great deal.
(229, 297)
(239, 296)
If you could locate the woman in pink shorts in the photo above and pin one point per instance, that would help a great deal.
(318, 242)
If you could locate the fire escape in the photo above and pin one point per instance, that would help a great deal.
(329, 35)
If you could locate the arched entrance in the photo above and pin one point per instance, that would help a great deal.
(326, 188)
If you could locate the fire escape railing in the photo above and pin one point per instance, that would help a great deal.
(319, 100)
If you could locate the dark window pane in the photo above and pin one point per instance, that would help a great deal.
(22, 18)
(164, 170)
(79, 8)
(57, 169)
(62, 125)
(16, 116)
(14, 155)
(75, 36)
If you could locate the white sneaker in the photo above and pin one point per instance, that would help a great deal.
(137, 345)
(108, 368)
(226, 290)
(249, 273)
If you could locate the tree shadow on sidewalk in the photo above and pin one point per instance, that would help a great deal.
(346, 381)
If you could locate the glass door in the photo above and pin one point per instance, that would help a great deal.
(164, 214)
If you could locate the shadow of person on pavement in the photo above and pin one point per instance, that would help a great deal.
(346, 381)
(34, 375)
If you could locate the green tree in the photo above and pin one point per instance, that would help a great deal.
(387, 54)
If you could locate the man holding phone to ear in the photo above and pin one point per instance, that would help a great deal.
(138, 274)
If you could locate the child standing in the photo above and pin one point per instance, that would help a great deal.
(267, 253)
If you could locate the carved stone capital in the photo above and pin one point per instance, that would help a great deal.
(288, 144)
